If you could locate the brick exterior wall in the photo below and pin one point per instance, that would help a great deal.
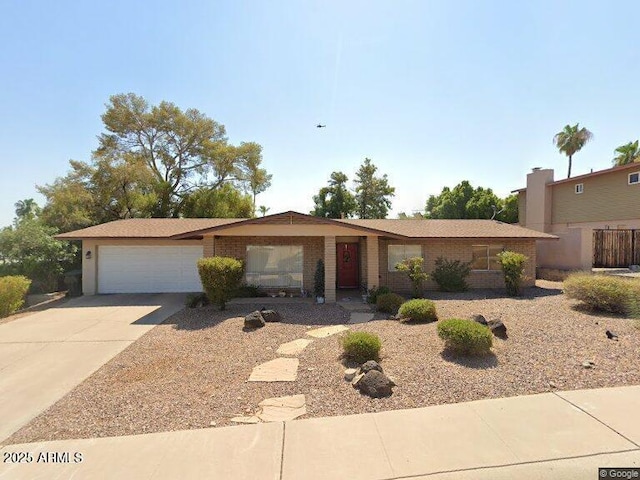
(456, 249)
(312, 251)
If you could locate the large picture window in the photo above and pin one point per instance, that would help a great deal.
(398, 253)
(485, 257)
(274, 266)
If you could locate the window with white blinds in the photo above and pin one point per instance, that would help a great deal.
(274, 266)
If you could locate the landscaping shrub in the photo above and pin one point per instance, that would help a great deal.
(194, 300)
(413, 268)
(465, 336)
(605, 292)
(13, 290)
(389, 302)
(249, 291)
(450, 275)
(513, 264)
(375, 292)
(418, 310)
(361, 346)
(220, 277)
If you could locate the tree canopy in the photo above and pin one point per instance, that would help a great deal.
(627, 153)
(571, 140)
(335, 200)
(373, 193)
(156, 161)
(464, 201)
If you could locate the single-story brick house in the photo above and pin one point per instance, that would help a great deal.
(280, 251)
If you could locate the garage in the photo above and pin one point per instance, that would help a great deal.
(148, 269)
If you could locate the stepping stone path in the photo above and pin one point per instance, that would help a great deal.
(360, 317)
(294, 347)
(277, 370)
(279, 409)
(325, 332)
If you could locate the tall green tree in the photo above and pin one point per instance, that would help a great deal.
(335, 200)
(627, 153)
(464, 201)
(263, 209)
(27, 209)
(223, 202)
(571, 140)
(373, 193)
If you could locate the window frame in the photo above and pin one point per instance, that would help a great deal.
(579, 188)
(637, 182)
(488, 257)
(280, 273)
(391, 268)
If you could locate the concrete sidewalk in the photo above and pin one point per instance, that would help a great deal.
(552, 435)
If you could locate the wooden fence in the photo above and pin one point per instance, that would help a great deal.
(616, 248)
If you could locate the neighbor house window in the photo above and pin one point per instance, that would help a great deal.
(274, 266)
(485, 257)
(634, 178)
(579, 187)
(398, 253)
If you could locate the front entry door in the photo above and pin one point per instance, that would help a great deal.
(347, 258)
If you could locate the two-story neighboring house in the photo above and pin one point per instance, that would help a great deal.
(573, 208)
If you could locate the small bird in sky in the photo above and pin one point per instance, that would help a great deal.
(320, 126)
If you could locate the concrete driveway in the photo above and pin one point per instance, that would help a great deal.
(45, 355)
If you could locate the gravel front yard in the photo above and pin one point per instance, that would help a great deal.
(191, 371)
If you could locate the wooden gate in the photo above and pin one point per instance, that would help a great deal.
(616, 248)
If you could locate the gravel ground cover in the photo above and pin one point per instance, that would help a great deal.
(191, 371)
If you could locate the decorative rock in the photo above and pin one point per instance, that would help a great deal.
(588, 364)
(479, 319)
(498, 328)
(553, 384)
(212, 424)
(370, 365)
(634, 268)
(375, 384)
(253, 320)
(611, 335)
(356, 378)
(350, 373)
(270, 316)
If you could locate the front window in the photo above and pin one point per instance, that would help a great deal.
(398, 253)
(634, 178)
(579, 187)
(485, 257)
(274, 266)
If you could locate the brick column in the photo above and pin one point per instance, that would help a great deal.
(330, 269)
(373, 262)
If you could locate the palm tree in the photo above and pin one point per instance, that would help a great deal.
(571, 140)
(263, 210)
(627, 153)
(27, 209)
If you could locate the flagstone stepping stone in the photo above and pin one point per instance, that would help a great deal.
(278, 370)
(327, 331)
(294, 347)
(251, 419)
(281, 409)
(360, 317)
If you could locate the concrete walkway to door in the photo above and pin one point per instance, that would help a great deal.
(45, 355)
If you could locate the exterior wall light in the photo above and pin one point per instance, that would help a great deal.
(88, 255)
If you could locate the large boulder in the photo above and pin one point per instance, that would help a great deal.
(479, 319)
(498, 328)
(253, 320)
(374, 383)
(270, 315)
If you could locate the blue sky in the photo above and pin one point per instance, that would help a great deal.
(434, 92)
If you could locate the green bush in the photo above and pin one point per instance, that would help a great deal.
(389, 302)
(450, 275)
(465, 336)
(361, 346)
(374, 292)
(513, 264)
(220, 277)
(12, 293)
(413, 268)
(249, 291)
(195, 299)
(605, 292)
(418, 310)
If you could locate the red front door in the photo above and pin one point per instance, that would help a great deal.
(347, 258)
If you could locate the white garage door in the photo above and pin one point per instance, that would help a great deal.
(139, 269)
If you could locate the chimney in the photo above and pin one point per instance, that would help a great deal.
(538, 206)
